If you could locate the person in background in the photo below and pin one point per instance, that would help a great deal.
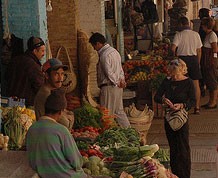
(24, 73)
(187, 46)
(51, 149)
(110, 78)
(54, 76)
(209, 62)
(175, 92)
(203, 12)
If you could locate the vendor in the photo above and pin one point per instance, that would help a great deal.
(52, 151)
(54, 76)
(24, 76)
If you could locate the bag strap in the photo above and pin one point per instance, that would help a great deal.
(68, 57)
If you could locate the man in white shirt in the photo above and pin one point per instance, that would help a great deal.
(187, 46)
(110, 78)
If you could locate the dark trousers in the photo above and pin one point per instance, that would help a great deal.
(180, 158)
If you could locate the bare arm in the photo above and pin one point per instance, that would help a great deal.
(199, 54)
(214, 47)
(173, 48)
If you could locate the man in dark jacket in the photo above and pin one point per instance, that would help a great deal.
(24, 74)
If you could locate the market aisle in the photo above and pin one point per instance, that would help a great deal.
(203, 141)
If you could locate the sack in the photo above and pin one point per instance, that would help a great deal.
(177, 119)
(149, 11)
(70, 80)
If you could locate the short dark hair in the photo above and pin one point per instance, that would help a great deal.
(97, 37)
(183, 21)
(208, 22)
(34, 43)
(51, 111)
(203, 12)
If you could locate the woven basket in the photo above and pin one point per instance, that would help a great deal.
(140, 124)
(140, 120)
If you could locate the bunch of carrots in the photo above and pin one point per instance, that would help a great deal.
(108, 120)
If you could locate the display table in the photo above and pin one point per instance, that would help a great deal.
(14, 164)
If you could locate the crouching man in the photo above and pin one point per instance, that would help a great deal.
(52, 151)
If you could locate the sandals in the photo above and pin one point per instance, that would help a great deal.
(196, 111)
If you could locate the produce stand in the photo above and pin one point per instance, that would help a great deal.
(101, 142)
(144, 76)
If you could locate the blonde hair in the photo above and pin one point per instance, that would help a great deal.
(177, 66)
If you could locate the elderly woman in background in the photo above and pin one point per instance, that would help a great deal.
(209, 62)
(176, 92)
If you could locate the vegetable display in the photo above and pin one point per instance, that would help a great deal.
(95, 166)
(87, 115)
(120, 136)
(16, 122)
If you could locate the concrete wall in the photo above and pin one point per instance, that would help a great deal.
(26, 18)
(91, 16)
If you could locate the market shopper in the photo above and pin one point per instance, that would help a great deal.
(51, 149)
(175, 92)
(110, 78)
(54, 76)
(24, 75)
(187, 46)
(209, 62)
(203, 12)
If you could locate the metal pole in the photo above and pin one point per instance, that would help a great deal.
(120, 38)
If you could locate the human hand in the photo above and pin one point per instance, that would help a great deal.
(167, 102)
(177, 106)
(122, 83)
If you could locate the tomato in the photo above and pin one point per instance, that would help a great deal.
(83, 153)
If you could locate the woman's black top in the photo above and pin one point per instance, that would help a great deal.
(177, 92)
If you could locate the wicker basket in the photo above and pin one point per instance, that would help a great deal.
(140, 120)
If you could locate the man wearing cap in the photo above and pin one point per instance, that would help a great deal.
(51, 149)
(24, 73)
(54, 76)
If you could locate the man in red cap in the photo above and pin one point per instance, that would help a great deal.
(54, 76)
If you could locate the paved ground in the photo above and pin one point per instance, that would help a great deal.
(203, 141)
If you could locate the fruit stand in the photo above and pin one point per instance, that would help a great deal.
(150, 70)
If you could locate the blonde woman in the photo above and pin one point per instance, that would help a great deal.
(177, 91)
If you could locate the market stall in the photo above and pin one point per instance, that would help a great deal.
(144, 74)
(102, 143)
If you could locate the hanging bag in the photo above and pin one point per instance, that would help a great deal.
(177, 119)
(70, 80)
